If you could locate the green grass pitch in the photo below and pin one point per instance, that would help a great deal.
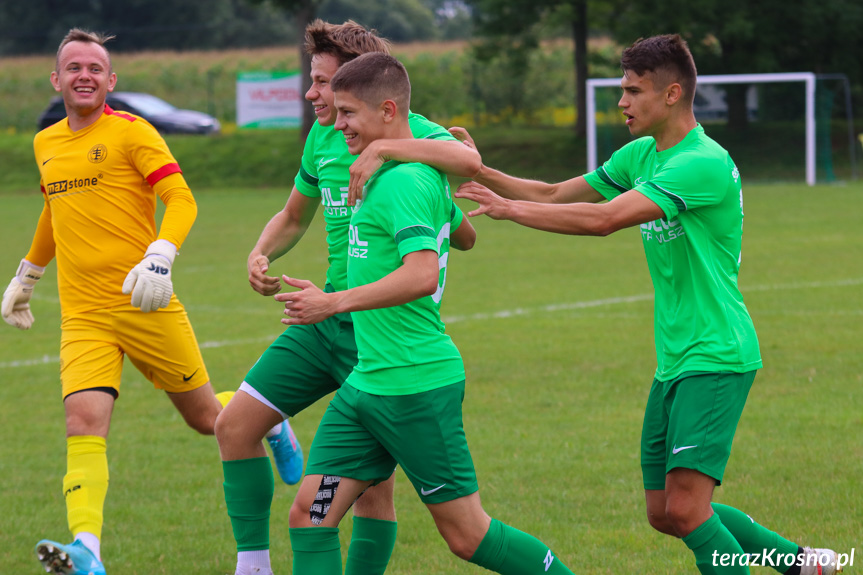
(556, 334)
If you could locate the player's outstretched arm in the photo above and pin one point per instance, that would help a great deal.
(417, 277)
(583, 219)
(280, 234)
(449, 156)
(566, 192)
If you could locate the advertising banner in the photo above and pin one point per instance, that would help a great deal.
(269, 100)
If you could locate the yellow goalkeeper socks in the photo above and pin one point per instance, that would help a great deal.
(86, 483)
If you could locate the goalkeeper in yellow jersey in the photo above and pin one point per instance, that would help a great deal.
(101, 172)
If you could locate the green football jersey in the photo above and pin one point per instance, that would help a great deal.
(324, 174)
(402, 349)
(693, 253)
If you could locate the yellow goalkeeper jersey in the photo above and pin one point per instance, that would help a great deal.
(100, 205)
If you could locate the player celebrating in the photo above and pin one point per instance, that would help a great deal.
(306, 363)
(100, 173)
(684, 191)
(401, 404)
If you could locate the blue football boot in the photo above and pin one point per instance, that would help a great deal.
(72, 559)
(288, 454)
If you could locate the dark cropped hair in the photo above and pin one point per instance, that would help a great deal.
(667, 57)
(373, 78)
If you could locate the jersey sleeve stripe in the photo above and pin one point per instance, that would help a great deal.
(308, 178)
(111, 112)
(165, 170)
(414, 232)
(438, 135)
(603, 175)
(678, 201)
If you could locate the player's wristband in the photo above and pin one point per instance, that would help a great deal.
(29, 273)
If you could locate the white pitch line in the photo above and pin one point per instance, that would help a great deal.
(503, 314)
(507, 313)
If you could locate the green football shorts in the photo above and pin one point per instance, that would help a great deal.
(364, 436)
(690, 422)
(304, 364)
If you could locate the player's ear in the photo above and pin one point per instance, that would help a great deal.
(55, 81)
(389, 110)
(673, 94)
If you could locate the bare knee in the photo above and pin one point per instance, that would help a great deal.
(687, 499)
(462, 549)
(198, 407)
(659, 521)
(228, 429)
(203, 423)
(464, 540)
(299, 515)
(684, 515)
(462, 523)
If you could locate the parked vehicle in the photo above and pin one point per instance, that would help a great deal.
(166, 118)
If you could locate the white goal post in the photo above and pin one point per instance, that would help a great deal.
(808, 78)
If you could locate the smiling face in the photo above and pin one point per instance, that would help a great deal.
(324, 67)
(360, 123)
(645, 107)
(84, 78)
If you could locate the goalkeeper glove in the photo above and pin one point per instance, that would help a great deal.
(16, 298)
(149, 282)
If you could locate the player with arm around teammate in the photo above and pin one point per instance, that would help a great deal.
(306, 363)
(101, 171)
(401, 404)
(683, 190)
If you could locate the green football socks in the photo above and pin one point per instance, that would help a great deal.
(372, 543)
(508, 551)
(316, 550)
(716, 551)
(249, 487)
(770, 547)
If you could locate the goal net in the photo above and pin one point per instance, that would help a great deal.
(778, 127)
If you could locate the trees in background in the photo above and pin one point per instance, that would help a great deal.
(742, 36)
(37, 26)
(510, 30)
(504, 68)
(726, 36)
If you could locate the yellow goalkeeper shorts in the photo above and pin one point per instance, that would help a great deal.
(161, 344)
